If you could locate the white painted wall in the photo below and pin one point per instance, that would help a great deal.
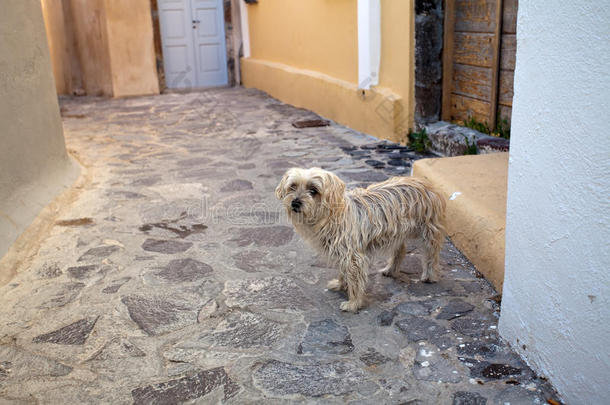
(245, 28)
(556, 303)
(369, 43)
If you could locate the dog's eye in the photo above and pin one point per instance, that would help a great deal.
(292, 187)
(313, 192)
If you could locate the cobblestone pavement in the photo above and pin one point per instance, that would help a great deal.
(175, 276)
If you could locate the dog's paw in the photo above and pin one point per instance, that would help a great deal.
(335, 285)
(349, 306)
(387, 271)
(429, 279)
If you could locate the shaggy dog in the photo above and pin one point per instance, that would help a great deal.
(350, 227)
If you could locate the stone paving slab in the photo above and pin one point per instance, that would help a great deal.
(175, 277)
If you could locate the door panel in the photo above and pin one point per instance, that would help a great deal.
(177, 42)
(210, 42)
(193, 39)
(479, 60)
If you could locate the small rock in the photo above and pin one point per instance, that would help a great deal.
(74, 334)
(417, 308)
(269, 293)
(49, 271)
(115, 285)
(479, 347)
(157, 315)
(185, 270)
(82, 272)
(418, 328)
(166, 246)
(373, 358)
(207, 310)
(243, 330)
(311, 380)
(468, 398)
(474, 326)
(385, 318)
(374, 163)
(99, 252)
(186, 388)
(397, 162)
(237, 185)
(454, 309)
(326, 336)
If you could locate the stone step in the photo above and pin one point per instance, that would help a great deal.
(474, 188)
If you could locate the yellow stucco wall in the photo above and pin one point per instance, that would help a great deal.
(318, 35)
(306, 53)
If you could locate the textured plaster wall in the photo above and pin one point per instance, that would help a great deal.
(34, 166)
(89, 25)
(306, 53)
(53, 14)
(104, 47)
(131, 47)
(556, 302)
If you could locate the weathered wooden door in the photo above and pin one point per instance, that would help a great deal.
(479, 60)
(192, 36)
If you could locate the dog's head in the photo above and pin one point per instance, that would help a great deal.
(311, 194)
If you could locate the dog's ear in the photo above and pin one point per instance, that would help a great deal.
(280, 190)
(334, 190)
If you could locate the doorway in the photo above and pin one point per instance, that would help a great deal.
(193, 42)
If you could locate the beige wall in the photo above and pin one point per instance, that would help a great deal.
(104, 47)
(306, 53)
(88, 23)
(60, 58)
(131, 47)
(34, 166)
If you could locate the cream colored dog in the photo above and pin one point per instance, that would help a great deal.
(350, 227)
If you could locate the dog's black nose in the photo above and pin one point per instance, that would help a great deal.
(296, 205)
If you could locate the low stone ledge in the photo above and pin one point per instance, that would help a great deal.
(474, 188)
(448, 139)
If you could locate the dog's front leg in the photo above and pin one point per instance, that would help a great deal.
(355, 274)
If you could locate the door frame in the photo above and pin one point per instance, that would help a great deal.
(232, 25)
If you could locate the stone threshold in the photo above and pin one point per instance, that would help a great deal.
(447, 139)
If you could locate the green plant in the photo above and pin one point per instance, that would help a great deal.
(477, 126)
(501, 130)
(471, 148)
(419, 140)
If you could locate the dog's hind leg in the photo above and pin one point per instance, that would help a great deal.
(355, 274)
(337, 284)
(432, 243)
(393, 266)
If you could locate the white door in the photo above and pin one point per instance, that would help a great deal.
(194, 49)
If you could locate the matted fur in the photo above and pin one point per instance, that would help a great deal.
(350, 227)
